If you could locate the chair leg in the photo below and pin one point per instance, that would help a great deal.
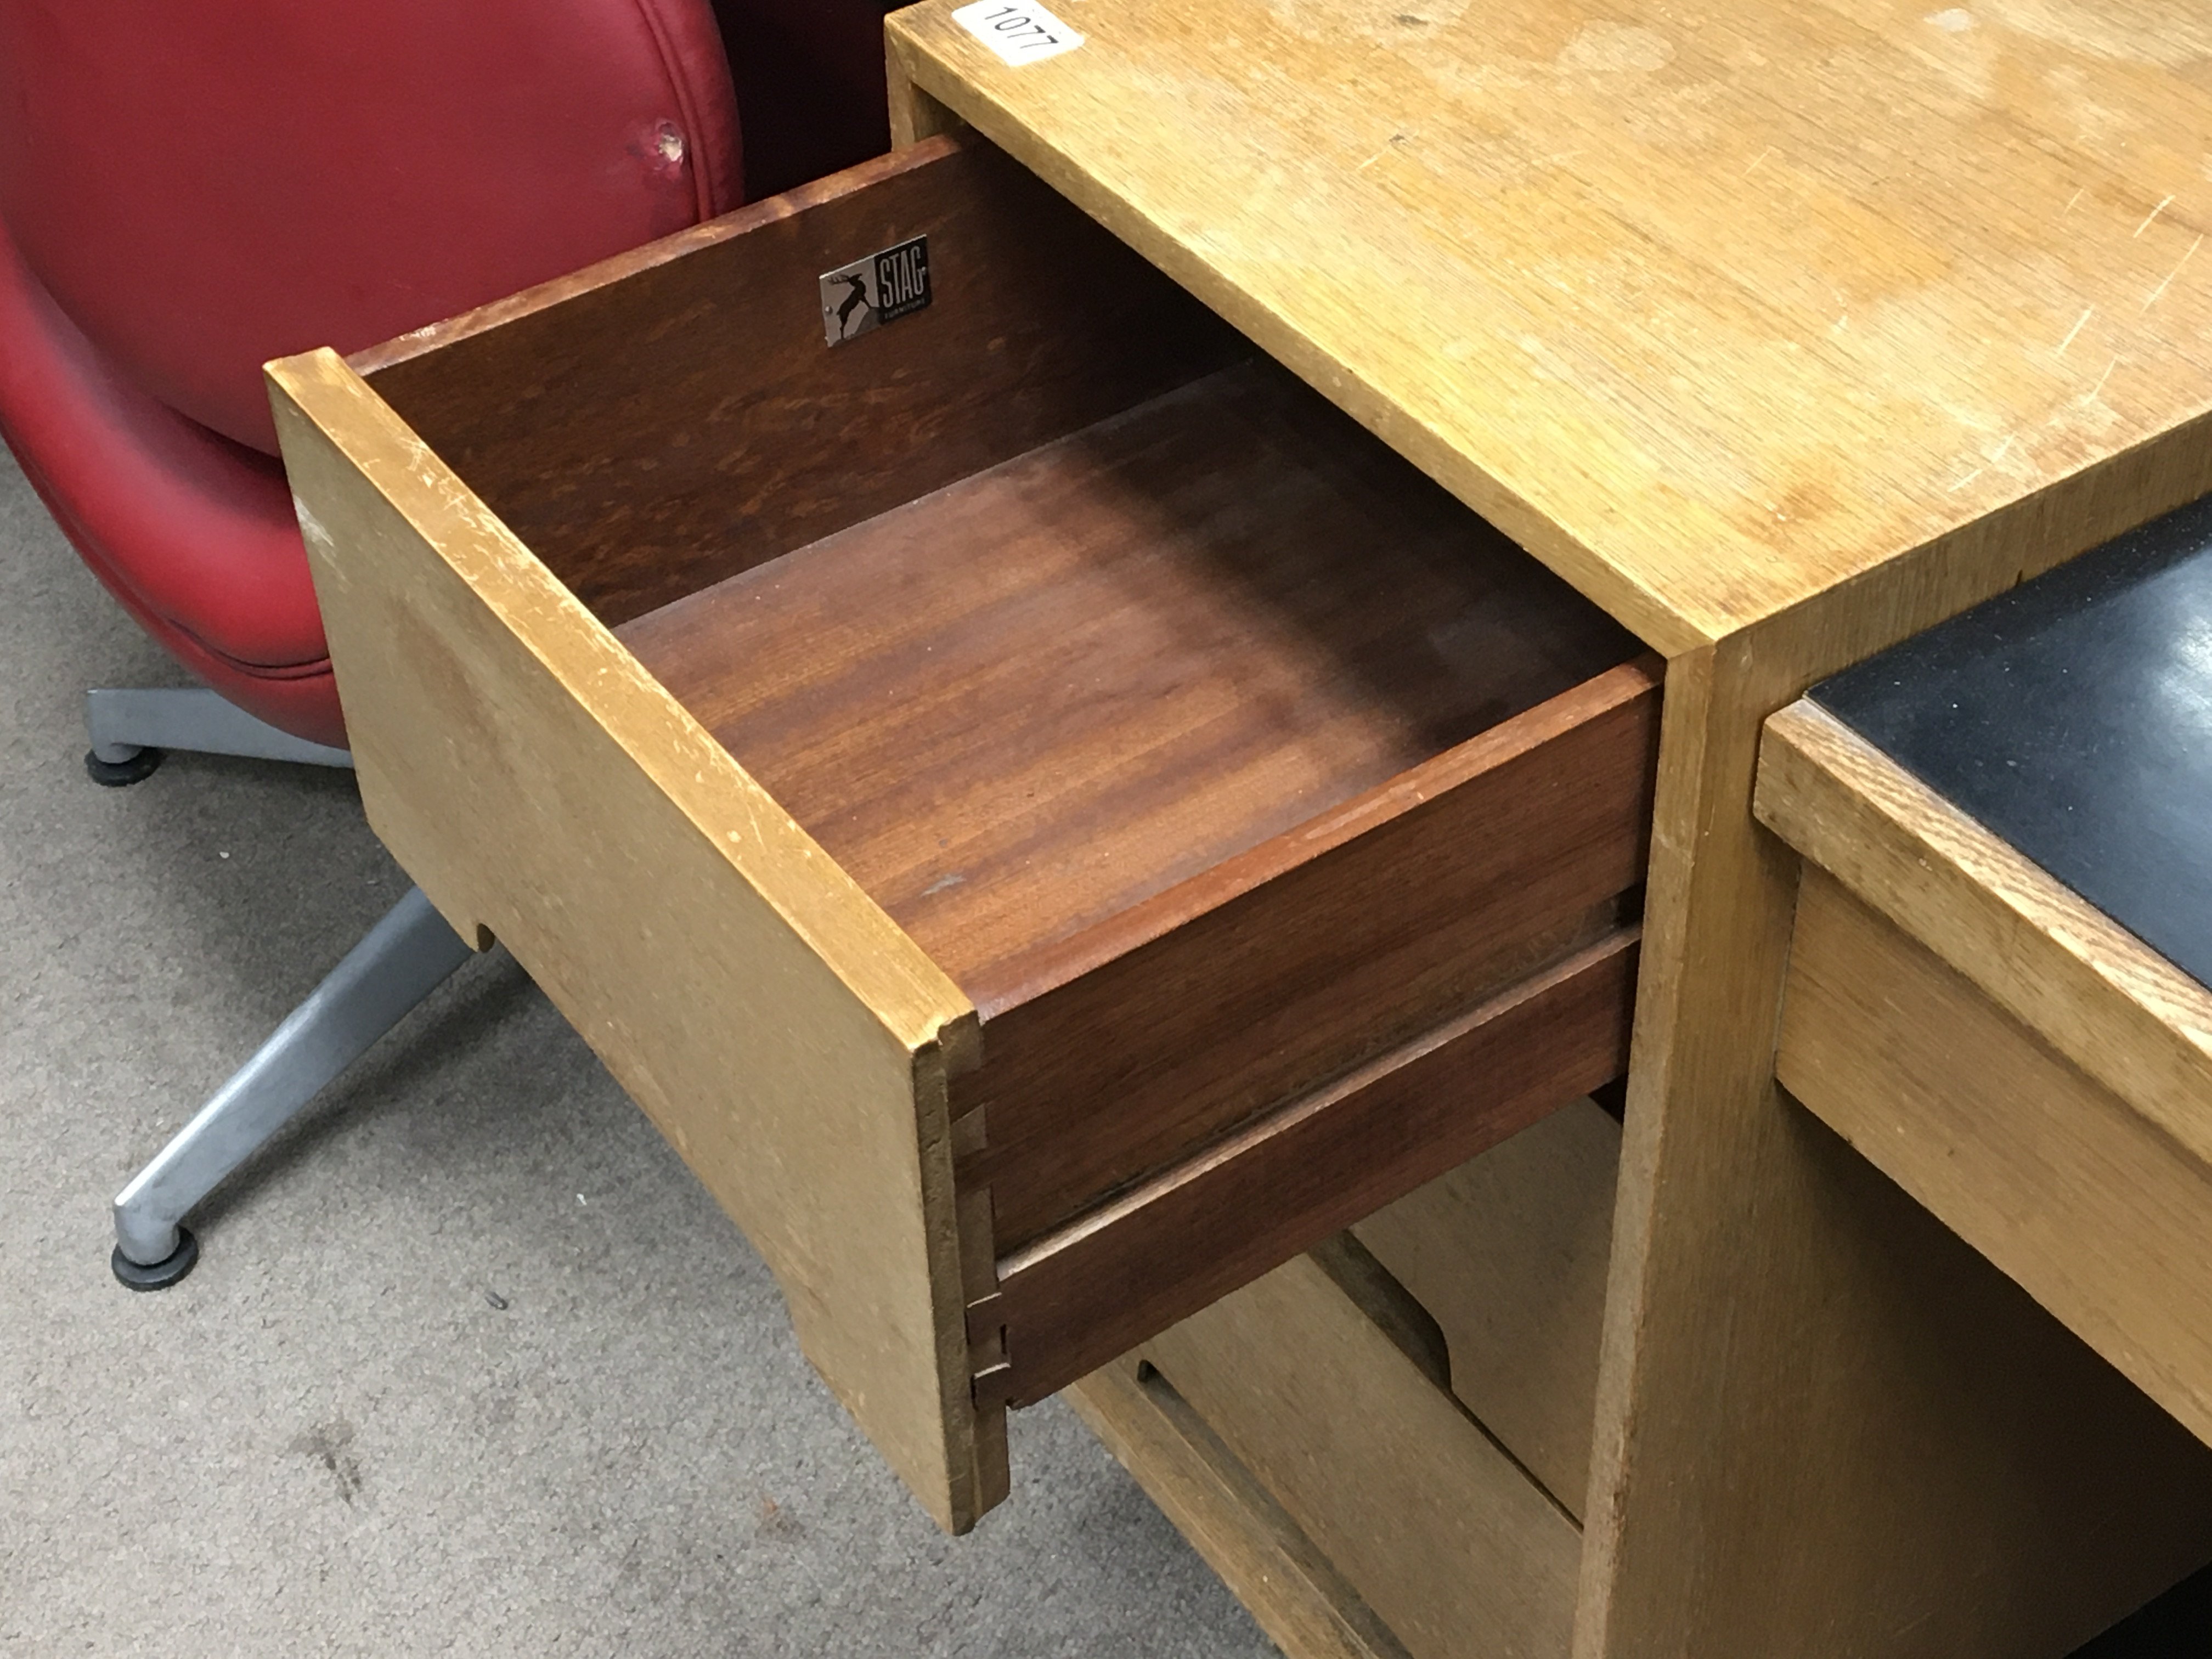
(130, 729)
(404, 958)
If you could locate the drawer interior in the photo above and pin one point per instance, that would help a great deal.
(1051, 714)
(1087, 724)
(1283, 823)
(1038, 698)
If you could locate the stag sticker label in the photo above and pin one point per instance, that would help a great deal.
(1018, 34)
(861, 297)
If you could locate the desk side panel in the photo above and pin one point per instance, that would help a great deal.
(1826, 1427)
(783, 1033)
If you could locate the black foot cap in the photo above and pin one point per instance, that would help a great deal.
(121, 775)
(160, 1275)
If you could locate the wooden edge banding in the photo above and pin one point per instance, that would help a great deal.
(542, 296)
(1287, 1585)
(2102, 997)
(1253, 1199)
(916, 1001)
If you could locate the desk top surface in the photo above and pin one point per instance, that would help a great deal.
(1712, 305)
(2073, 718)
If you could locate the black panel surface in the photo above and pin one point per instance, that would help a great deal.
(2178, 1626)
(2073, 717)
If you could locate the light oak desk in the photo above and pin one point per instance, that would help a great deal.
(1775, 332)
(1782, 331)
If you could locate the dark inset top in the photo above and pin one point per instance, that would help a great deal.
(2073, 717)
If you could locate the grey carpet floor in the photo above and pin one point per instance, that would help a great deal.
(471, 1365)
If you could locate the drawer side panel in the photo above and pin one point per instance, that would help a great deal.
(1406, 907)
(1069, 1303)
(781, 1031)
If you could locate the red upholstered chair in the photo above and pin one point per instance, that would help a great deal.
(189, 187)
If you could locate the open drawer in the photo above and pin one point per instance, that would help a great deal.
(1048, 817)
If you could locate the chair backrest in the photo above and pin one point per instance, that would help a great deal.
(203, 185)
(810, 76)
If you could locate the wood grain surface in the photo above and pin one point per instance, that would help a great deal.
(1025, 704)
(1507, 1253)
(2059, 1181)
(1712, 310)
(1291, 1178)
(2127, 1017)
(1221, 656)
(1770, 335)
(1281, 1577)
(2032, 1072)
(1458, 1551)
(662, 419)
(782, 1032)
(1446, 887)
(1146, 766)
(1801, 1442)
(1765, 326)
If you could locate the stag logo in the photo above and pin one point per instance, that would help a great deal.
(861, 297)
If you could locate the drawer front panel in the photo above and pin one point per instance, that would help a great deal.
(784, 1034)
